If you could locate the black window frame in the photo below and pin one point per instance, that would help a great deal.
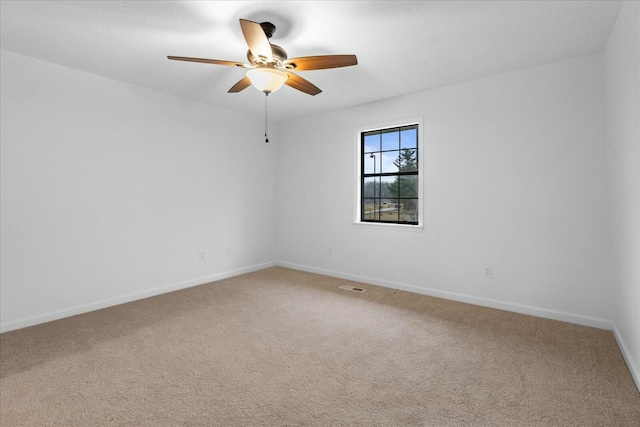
(412, 175)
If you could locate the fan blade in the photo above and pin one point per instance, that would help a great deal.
(241, 85)
(320, 62)
(209, 61)
(301, 84)
(256, 40)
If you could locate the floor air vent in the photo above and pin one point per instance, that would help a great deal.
(351, 288)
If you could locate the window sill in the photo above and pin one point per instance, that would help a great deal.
(389, 227)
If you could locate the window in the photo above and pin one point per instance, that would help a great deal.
(389, 185)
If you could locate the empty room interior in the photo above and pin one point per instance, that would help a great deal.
(433, 219)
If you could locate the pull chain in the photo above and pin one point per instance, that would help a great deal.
(266, 117)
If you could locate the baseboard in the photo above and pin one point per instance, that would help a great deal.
(98, 305)
(485, 302)
(578, 319)
(633, 368)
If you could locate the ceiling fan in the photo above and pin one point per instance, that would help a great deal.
(269, 67)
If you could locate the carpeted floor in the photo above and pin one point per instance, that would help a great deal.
(286, 348)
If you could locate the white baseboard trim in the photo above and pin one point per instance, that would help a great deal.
(110, 302)
(633, 368)
(470, 299)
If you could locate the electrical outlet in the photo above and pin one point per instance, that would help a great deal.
(488, 272)
(329, 251)
(201, 256)
(228, 251)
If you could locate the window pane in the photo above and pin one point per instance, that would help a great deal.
(409, 211)
(371, 143)
(391, 140)
(408, 160)
(387, 187)
(371, 162)
(391, 186)
(408, 186)
(388, 161)
(389, 210)
(371, 209)
(409, 138)
(371, 187)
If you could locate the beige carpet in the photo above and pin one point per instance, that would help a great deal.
(285, 348)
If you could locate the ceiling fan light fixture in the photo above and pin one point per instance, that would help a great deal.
(267, 80)
(270, 67)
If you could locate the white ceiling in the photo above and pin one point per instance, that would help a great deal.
(402, 47)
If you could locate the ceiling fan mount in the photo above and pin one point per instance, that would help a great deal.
(269, 66)
(268, 28)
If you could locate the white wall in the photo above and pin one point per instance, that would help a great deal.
(622, 79)
(515, 178)
(110, 191)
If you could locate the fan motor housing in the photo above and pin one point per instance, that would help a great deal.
(278, 53)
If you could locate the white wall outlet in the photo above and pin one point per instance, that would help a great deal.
(329, 251)
(488, 272)
(228, 251)
(201, 256)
